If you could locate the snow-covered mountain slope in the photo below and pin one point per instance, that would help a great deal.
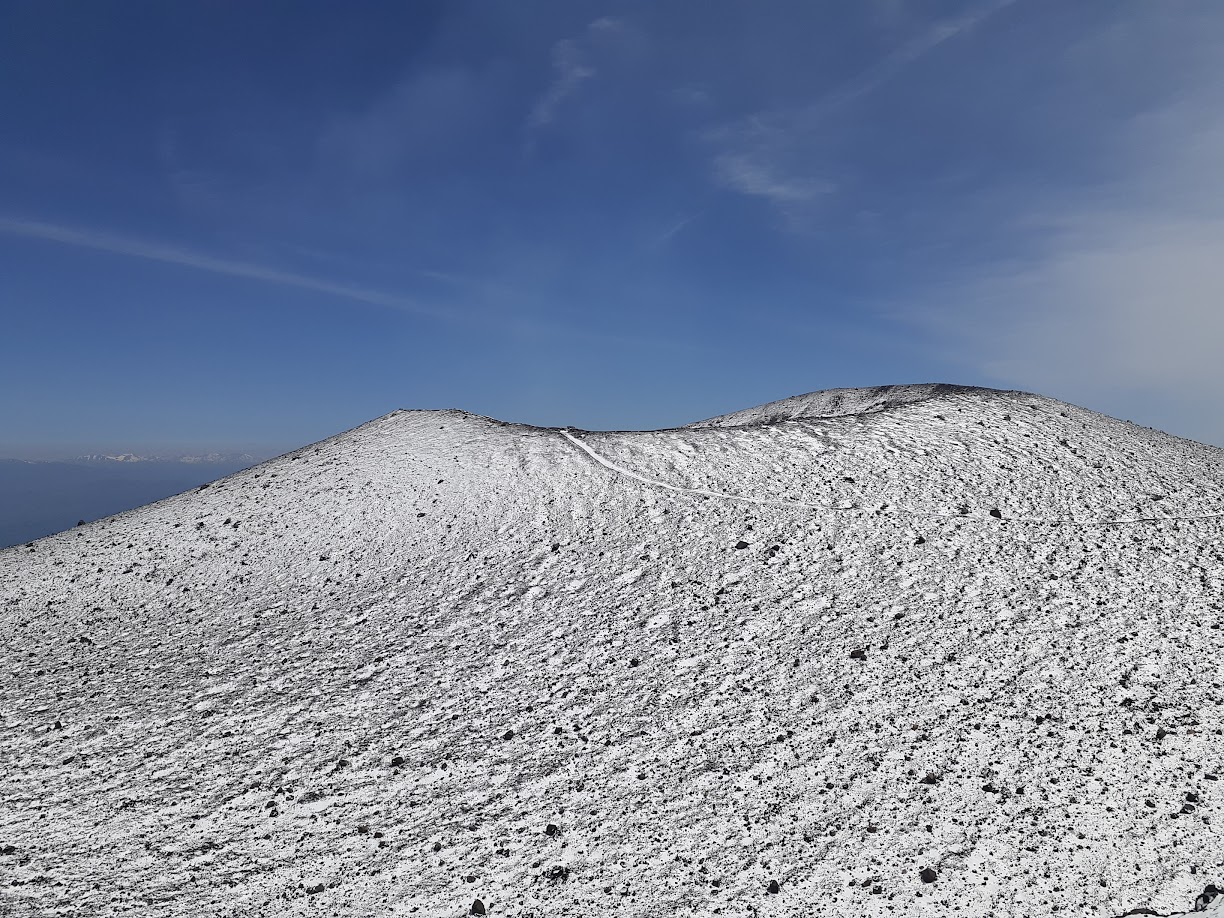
(829, 403)
(440, 659)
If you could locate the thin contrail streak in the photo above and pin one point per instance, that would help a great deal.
(151, 251)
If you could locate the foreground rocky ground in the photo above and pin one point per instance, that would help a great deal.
(917, 651)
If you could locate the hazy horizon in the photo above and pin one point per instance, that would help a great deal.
(42, 497)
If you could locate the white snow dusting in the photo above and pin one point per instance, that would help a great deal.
(923, 650)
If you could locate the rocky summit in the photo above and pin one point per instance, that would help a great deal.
(926, 650)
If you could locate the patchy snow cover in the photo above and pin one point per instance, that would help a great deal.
(895, 657)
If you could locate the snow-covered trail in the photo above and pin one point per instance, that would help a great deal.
(702, 492)
(891, 509)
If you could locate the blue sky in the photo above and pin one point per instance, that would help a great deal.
(252, 225)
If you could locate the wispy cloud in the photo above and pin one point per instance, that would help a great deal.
(150, 251)
(663, 238)
(420, 120)
(1120, 303)
(894, 63)
(758, 172)
(520, 324)
(571, 59)
(572, 68)
(766, 155)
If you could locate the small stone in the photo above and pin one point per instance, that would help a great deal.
(741, 545)
(774, 887)
(397, 761)
(508, 735)
(928, 875)
(478, 908)
(930, 778)
(437, 846)
(920, 541)
(1206, 898)
(859, 654)
(551, 831)
(997, 513)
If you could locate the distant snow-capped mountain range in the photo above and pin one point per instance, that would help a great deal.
(42, 496)
(188, 458)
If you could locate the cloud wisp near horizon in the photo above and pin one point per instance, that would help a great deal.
(606, 216)
(1113, 291)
